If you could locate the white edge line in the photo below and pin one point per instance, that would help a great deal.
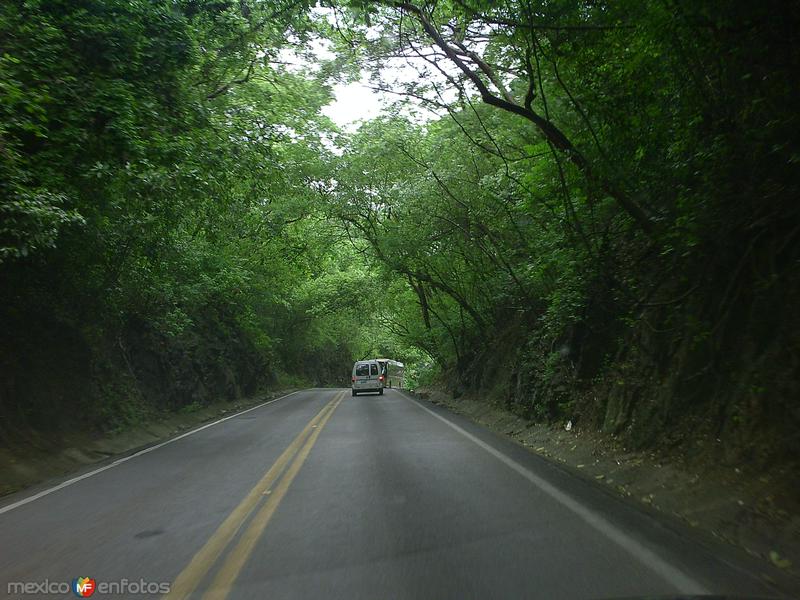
(670, 573)
(119, 461)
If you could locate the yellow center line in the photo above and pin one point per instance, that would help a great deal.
(237, 557)
(188, 579)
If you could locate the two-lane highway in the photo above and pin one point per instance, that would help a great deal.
(324, 495)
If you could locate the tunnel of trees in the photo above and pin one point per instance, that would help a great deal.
(580, 209)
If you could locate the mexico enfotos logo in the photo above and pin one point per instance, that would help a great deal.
(85, 587)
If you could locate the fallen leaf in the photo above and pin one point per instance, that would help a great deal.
(779, 561)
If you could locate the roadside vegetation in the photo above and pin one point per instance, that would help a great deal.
(584, 211)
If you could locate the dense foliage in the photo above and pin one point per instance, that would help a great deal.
(156, 245)
(598, 222)
(603, 224)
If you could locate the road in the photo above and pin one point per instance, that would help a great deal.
(322, 495)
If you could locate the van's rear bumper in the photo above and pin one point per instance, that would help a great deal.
(367, 388)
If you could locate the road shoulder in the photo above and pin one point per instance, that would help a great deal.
(33, 468)
(702, 510)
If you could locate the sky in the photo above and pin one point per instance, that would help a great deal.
(357, 101)
(354, 102)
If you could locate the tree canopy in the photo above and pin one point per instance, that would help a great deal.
(584, 208)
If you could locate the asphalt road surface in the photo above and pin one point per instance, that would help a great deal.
(322, 495)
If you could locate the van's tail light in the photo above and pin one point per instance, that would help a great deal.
(380, 378)
(354, 377)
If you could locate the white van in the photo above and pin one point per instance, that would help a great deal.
(368, 377)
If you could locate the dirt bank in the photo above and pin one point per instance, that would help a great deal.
(24, 465)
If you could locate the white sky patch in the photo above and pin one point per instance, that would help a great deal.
(354, 102)
(359, 101)
(295, 62)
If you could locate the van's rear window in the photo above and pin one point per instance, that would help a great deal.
(374, 369)
(362, 370)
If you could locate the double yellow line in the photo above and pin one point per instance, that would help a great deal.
(294, 456)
